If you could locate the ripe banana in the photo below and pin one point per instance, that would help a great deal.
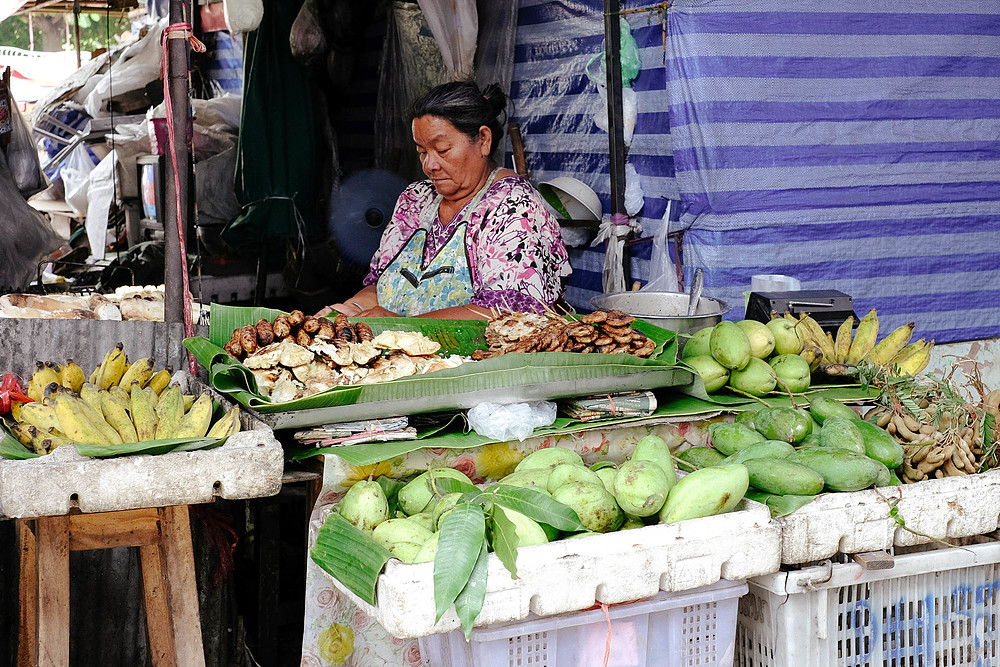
(96, 374)
(226, 426)
(909, 349)
(73, 377)
(91, 394)
(153, 397)
(890, 346)
(40, 415)
(23, 432)
(917, 361)
(113, 367)
(143, 416)
(15, 410)
(120, 394)
(160, 380)
(864, 338)
(46, 442)
(43, 376)
(188, 401)
(141, 370)
(96, 417)
(196, 422)
(842, 345)
(74, 417)
(813, 332)
(812, 354)
(169, 412)
(118, 417)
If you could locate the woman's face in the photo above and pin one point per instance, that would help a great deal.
(450, 159)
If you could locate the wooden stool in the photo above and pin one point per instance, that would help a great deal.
(163, 535)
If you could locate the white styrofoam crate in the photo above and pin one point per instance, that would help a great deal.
(248, 465)
(933, 609)
(569, 575)
(685, 629)
(857, 522)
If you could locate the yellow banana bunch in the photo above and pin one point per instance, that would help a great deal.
(890, 346)
(226, 426)
(72, 376)
(169, 412)
(143, 415)
(917, 360)
(118, 417)
(113, 367)
(842, 345)
(864, 338)
(43, 376)
(140, 371)
(160, 380)
(195, 423)
(40, 415)
(813, 333)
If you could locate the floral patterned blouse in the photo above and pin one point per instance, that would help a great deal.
(517, 258)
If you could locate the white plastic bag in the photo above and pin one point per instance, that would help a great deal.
(630, 112)
(455, 25)
(662, 275)
(75, 174)
(138, 65)
(507, 422)
(633, 191)
(102, 193)
(242, 15)
(613, 272)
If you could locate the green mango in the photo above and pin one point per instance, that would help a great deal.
(769, 449)
(793, 370)
(884, 475)
(730, 437)
(785, 424)
(393, 531)
(364, 505)
(706, 492)
(821, 407)
(641, 487)
(428, 550)
(729, 345)
(840, 433)
(700, 457)
(592, 503)
(532, 478)
(698, 344)
(712, 373)
(811, 440)
(417, 495)
(571, 472)
(608, 476)
(757, 378)
(654, 448)
(447, 503)
(787, 337)
(879, 445)
(783, 477)
(760, 337)
(549, 457)
(747, 416)
(840, 469)
(529, 532)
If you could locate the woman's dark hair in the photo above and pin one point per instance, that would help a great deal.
(462, 104)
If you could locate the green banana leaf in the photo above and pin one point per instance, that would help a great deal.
(11, 448)
(148, 447)
(456, 336)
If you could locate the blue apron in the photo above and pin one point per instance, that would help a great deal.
(409, 287)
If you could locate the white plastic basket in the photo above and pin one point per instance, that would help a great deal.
(697, 627)
(938, 608)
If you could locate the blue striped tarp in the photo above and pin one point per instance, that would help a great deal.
(555, 102)
(851, 145)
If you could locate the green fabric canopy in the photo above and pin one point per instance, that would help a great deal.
(275, 169)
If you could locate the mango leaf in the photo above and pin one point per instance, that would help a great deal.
(600, 465)
(390, 487)
(463, 531)
(505, 541)
(350, 556)
(442, 485)
(538, 506)
(469, 602)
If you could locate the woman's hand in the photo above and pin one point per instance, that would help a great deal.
(365, 299)
(377, 311)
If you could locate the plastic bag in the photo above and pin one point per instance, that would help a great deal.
(629, 55)
(22, 156)
(75, 175)
(662, 275)
(242, 15)
(100, 197)
(138, 65)
(630, 112)
(507, 422)
(633, 191)
(455, 26)
(27, 235)
(613, 272)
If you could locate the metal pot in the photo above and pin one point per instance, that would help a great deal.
(667, 310)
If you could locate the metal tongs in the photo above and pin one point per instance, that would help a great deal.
(694, 296)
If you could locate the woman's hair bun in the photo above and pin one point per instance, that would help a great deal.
(496, 98)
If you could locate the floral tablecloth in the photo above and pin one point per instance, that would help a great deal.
(339, 633)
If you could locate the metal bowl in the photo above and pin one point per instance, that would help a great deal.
(667, 310)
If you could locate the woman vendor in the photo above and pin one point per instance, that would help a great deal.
(471, 238)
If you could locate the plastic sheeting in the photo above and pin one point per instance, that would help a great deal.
(455, 26)
(138, 65)
(554, 103)
(27, 235)
(852, 146)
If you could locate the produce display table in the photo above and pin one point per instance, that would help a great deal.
(163, 536)
(336, 627)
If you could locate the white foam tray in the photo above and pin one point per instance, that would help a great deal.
(569, 575)
(248, 465)
(860, 521)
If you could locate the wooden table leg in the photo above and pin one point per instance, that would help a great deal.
(178, 556)
(27, 635)
(52, 558)
(159, 627)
